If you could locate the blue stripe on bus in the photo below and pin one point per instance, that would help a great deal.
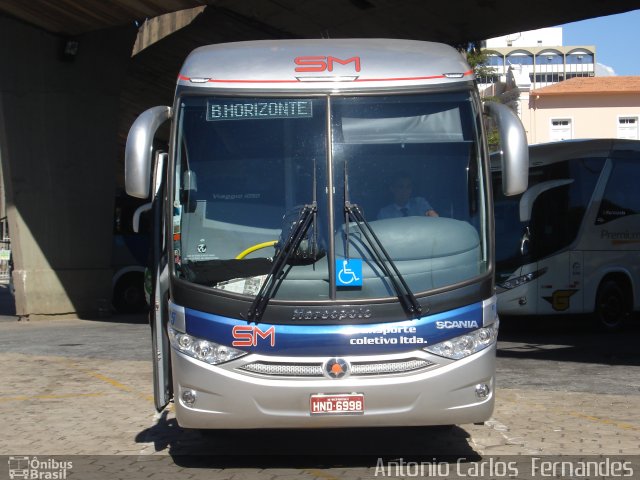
(334, 340)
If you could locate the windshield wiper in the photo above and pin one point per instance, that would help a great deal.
(408, 300)
(405, 295)
(287, 249)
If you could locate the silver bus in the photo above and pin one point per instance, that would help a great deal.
(570, 244)
(290, 287)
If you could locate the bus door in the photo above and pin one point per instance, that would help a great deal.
(560, 289)
(158, 313)
(552, 229)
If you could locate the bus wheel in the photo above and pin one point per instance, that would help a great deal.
(128, 294)
(612, 306)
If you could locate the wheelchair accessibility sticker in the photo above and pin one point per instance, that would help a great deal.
(349, 273)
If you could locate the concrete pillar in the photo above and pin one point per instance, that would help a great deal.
(58, 147)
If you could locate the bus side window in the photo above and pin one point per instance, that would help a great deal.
(145, 223)
(550, 222)
(621, 196)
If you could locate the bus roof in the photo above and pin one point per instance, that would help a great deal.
(546, 153)
(553, 152)
(323, 64)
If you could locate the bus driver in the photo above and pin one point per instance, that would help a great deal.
(404, 205)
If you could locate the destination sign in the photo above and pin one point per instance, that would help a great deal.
(252, 110)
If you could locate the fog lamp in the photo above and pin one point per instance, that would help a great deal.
(189, 397)
(482, 390)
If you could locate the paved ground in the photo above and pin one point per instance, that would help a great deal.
(81, 387)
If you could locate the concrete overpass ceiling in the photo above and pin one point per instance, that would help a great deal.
(75, 17)
(452, 22)
(60, 168)
(153, 71)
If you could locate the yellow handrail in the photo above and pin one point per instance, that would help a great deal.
(255, 247)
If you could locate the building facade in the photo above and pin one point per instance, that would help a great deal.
(557, 91)
(537, 58)
(599, 107)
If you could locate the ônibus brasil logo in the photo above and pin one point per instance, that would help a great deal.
(31, 468)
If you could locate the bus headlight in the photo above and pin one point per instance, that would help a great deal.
(467, 344)
(203, 350)
(521, 280)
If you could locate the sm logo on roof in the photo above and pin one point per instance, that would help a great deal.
(323, 64)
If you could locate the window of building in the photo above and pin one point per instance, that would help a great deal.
(549, 58)
(494, 60)
(580, 74)
(628, 128)
(520, 58)
(550, 77)
(580, 57)
(561, 129)
(489, 79)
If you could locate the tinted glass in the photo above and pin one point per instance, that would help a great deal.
(553, 208)
(244, 167)
(580, 58)
(413, 169)
(622, 195)
(520, 60)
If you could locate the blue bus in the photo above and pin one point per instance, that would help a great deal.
(323, 235)
(130, 254)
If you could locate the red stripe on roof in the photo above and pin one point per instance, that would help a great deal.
(397, 79)
(211, 80)
(404, 79)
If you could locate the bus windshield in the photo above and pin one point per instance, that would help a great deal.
(550, 211)
(245, 168)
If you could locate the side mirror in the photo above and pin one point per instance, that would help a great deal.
(532, 194)
(138, 213)
(190, 181)
(515, 151)
(524, 242)
(139, 150)
(188, 188)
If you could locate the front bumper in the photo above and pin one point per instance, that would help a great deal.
(229, 398)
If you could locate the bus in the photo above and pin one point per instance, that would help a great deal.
(18, 467)
(129, 255)
(280, 299)
(570, 244)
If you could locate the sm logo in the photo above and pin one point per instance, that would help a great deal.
(250, 335)
(323, 64)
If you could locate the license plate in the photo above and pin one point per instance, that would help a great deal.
(340, 404)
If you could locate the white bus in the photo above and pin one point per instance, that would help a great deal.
(570, 244)
(282, 297)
